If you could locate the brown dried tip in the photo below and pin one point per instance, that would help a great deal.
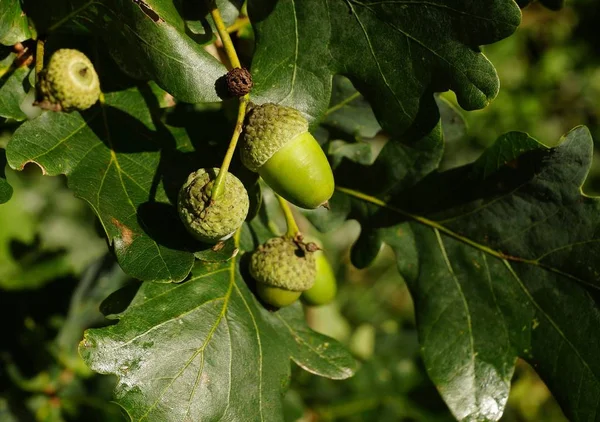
(312, 247)
(239, 81)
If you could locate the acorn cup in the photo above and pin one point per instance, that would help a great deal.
(279, 147)
(68, 82)
(283, 268)
(212, 220)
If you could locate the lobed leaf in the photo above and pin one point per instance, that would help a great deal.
(205, 349)
(396, 53)
(111, 155)
(500, 257)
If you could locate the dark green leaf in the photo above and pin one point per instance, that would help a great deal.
(504, 271)
(205, 349)
(396, 54)
(14, 26)
(149, 39)
(111, 155)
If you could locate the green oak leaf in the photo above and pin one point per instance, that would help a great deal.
(111, 156)
(396, 53)
(149, 40)
(501, 260)
(14, 26)
(206, 349)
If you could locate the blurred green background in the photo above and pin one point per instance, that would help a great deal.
(54, 270)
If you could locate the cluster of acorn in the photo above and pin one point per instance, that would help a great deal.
(276, 143)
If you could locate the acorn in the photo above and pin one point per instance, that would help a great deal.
(209, 220)
(283, 268)
(325, 288)
(278, 146)
(68, 82)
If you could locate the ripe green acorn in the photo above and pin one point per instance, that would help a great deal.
(325, 287)
(210, 220)
(283, 268)
(68, 82)
(279, 147)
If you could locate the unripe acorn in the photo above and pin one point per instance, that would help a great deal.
(279, 147)
(283, 268)
(210, 220)
(68, 82)
(325, 287)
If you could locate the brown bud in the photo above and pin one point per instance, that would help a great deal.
(239, 81)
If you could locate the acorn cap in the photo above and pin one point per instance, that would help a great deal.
(212, 221)
(284, 263)
(268, 128)
(69, 81)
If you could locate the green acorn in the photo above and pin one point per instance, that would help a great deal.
(68, 82)
(279, 147)
(283, 268)
(210, 220)
(325, 288)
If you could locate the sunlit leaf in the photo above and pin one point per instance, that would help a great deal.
(207, 349)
